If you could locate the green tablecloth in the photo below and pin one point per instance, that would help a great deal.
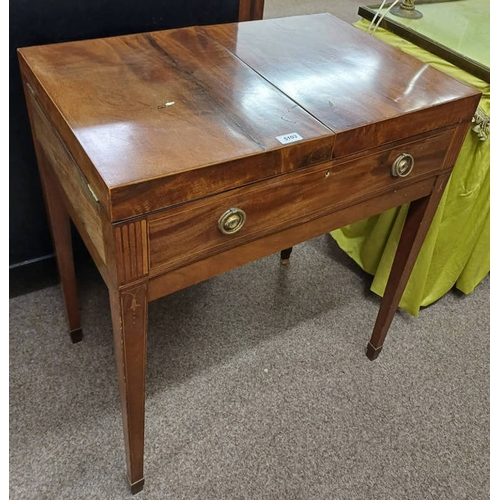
(456, 251)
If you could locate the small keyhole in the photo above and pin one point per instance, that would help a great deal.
(327, 173)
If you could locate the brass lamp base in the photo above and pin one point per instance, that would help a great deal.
(405, 12)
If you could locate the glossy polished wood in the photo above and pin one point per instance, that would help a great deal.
(147, 140)
(150, 109)
(323, 64)
(285, 201)
(203, 269)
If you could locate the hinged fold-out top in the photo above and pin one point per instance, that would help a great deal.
(364, 90)
(143, 114)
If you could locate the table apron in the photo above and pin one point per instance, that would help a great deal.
(206, 268)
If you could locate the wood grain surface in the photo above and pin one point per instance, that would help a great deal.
(162, 104)
(129, 314)
(189, 232)
(142, 114)
(364, 90)
(169, 282)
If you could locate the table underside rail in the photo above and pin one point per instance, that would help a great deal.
(217, 264)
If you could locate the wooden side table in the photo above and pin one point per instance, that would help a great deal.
(182, 154)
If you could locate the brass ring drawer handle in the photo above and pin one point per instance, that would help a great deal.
(231, 221)
(403, 165)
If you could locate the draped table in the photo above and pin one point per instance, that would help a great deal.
(456, 250)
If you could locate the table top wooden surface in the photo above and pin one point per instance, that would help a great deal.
(153, 108)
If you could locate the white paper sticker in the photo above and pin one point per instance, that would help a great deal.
(288, 138)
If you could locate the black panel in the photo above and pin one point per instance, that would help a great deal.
(36, 22)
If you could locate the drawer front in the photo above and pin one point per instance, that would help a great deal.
(196, 230)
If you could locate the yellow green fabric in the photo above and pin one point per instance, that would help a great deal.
(456, 251)
(461, 26)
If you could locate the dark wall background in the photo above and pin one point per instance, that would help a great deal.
(36, 22)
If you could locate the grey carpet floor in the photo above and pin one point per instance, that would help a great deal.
(257, 388)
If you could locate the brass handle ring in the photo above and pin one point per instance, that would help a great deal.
(231, 221)
(403, 165)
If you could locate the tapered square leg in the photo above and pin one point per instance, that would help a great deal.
(417, 223)
(129, 312)
(61, 236)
